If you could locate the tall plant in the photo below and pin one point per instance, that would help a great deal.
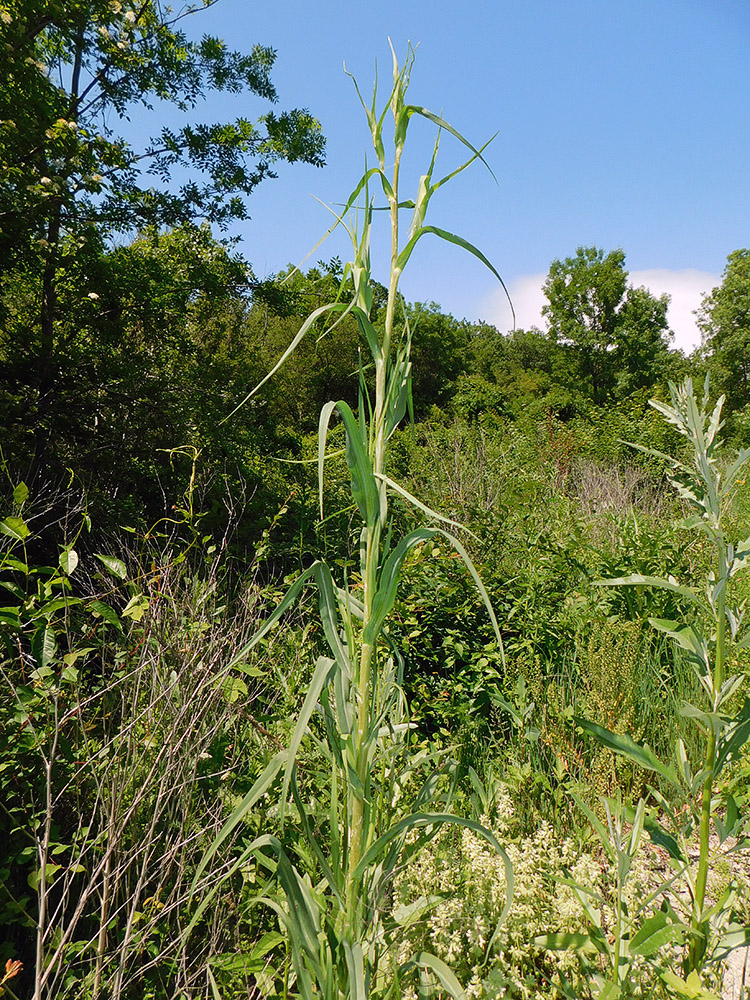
(710, 637)
(342, 934)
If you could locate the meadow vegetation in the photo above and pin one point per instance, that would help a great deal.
(423, 674)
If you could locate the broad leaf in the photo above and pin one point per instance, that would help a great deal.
(655, 933)
(734, 737)
(566, 942)
(115, 566)
(43, 646)
(15, 528)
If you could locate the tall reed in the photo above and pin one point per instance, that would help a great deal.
(343, 937)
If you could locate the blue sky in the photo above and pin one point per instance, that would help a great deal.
(620, 123)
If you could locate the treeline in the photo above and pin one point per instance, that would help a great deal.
(157, 341)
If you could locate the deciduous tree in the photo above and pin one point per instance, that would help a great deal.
(724, 320)
(74, 70)
(618, 333)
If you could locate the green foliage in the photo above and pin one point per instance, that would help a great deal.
(617, 334)
(707, 635)
(70, 68)
(724, 320)
(332, 902)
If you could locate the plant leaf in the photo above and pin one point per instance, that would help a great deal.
(565, 941)
(385, 595)
(638, 580)
(627, 746)
(448, 980)
(43, 646)
(15, 528)
(734, 737)
(115, 566)
(654, 933)
(418, 504)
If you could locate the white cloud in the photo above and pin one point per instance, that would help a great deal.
(686, 288)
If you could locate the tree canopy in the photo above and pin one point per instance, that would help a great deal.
(619, 334)
(71, 182)
(724, 320)
(76, 68)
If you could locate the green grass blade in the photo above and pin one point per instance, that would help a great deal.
(406, 253)
(478, 584)
(259, 789)
(385, 596)
(309, 322)
(639, 580)
(626, 746)
(259, 842)
(324, 420)
(448, 980)
(405, 495)
(363, 485)
(419, 820)
(414, 109)
(321, 676)
(212, 982)
(356, 967)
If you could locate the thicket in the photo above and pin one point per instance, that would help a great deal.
(161, 688)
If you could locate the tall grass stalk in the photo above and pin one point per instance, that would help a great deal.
(335, 908)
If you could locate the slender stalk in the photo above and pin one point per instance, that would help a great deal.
(698, 945)
(368, 654)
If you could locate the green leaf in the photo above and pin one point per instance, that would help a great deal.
(421, 820)
(15, 528)
(692, 988)
(478, 584)
(259, 789)
(388, 581)
(609, 991)
(233, 689)
(363, 485)
(298, 337)
(20, 494)
(115, 566)
(68, 560)
(356, 967)
(43, 646)
(327, 596)
(734, 737)
(406, 253)
(214, 988)
(418, 503)
(136, 607)
(448, 980)
(324, 669)
(655, 933)
(638, 580)
(662, 838)
(106, 612)
(566, 942)
(685, 636)
(627, 746)
(597, 824)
